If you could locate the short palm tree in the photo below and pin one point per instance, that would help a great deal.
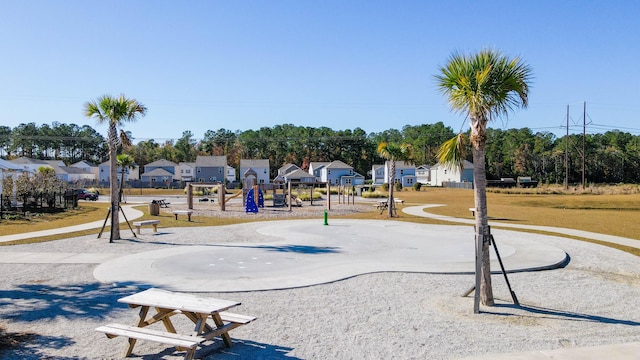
(124, 162)
(483, 86)
(393, 152)
(114, 111)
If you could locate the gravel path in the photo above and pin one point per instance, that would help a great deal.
(592, 301)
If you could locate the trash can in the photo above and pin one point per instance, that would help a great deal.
(154, 208)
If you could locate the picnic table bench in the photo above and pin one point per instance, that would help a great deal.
(183, 212)
(139, 224)
(162, 202)
(198, 309)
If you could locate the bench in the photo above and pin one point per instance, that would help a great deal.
(138, 333)
(399, 201)
(236, 318)
(183, 212)
(473, 211)
(139, 224)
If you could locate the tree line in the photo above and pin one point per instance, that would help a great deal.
(612, 157)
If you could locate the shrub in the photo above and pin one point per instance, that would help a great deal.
(385, 187)
(398, 186)
(417, 186)
(373, 195)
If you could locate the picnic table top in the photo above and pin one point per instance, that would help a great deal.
(178, 301)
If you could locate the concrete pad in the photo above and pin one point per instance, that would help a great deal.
(308, 253)
(628, 351)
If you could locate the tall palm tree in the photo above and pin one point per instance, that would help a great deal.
(393, 152)
(114, 111)
(483, 86)
(124, 161)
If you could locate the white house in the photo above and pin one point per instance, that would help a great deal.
(32, 165)
(292, 173)
(441, 173)
(231, 173)
(88, 167)
(9, 169)
(259, 166)
(73, 174)
(187, 170)
(405, 173)
(129, 173)
(423, 174)
(377, 174)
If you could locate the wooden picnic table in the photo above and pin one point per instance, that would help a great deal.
(166, 304)
(162, 202)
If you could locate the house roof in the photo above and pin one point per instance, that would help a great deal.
(162, 162)
(318, 164)
(298, 174)
(70, 170)
(254, 163)
(286, 168)
(189, 164)
(337, 164)
(6, 165)
(84, 163)
(211, 161)
(157, 172)
(376, 167)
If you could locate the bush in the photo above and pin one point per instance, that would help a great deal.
(417, 186)
(385, 187)
(398, 186)
(373, 195)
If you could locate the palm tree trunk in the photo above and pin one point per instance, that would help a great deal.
(113, 186)
(392, 180)
(482, 222)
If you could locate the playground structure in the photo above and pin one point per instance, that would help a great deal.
(281, 193)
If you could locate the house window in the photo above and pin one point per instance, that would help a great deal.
(328, 172)
(401, 172)
(348, 181)
(198, 169)
(445, 171)
(220, 170)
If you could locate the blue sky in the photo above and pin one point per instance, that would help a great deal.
(239, 65)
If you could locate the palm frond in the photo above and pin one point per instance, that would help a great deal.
(451, 153)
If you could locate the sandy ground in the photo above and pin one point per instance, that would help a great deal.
(592, 301)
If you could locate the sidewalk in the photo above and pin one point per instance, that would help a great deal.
(129, 212)
(419, 211)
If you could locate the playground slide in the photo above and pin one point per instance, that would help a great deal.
(232, 196)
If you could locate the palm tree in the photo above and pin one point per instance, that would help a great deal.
(393, 152)
(114, 111)
(124, 161)
(483, 86)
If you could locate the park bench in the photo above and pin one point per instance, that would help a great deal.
(140, 333)
(139, 224)
(183, 212)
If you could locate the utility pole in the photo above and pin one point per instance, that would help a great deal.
(566, 154)
(584, 131)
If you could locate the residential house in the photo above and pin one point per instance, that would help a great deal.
(337, 173)
(88, 167)
(423, 174)
(32, 165)
(405, 173)
(315, 168)
(73, 174)
(211, 169)
(441, 173)
(259, 166)
(187, 171)
(130, 173)
(9, 169)
(292, 173)
(160, 173)
(377, 174)
(231, 174)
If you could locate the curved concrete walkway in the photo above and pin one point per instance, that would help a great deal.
(129, 212)
(419, 211)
